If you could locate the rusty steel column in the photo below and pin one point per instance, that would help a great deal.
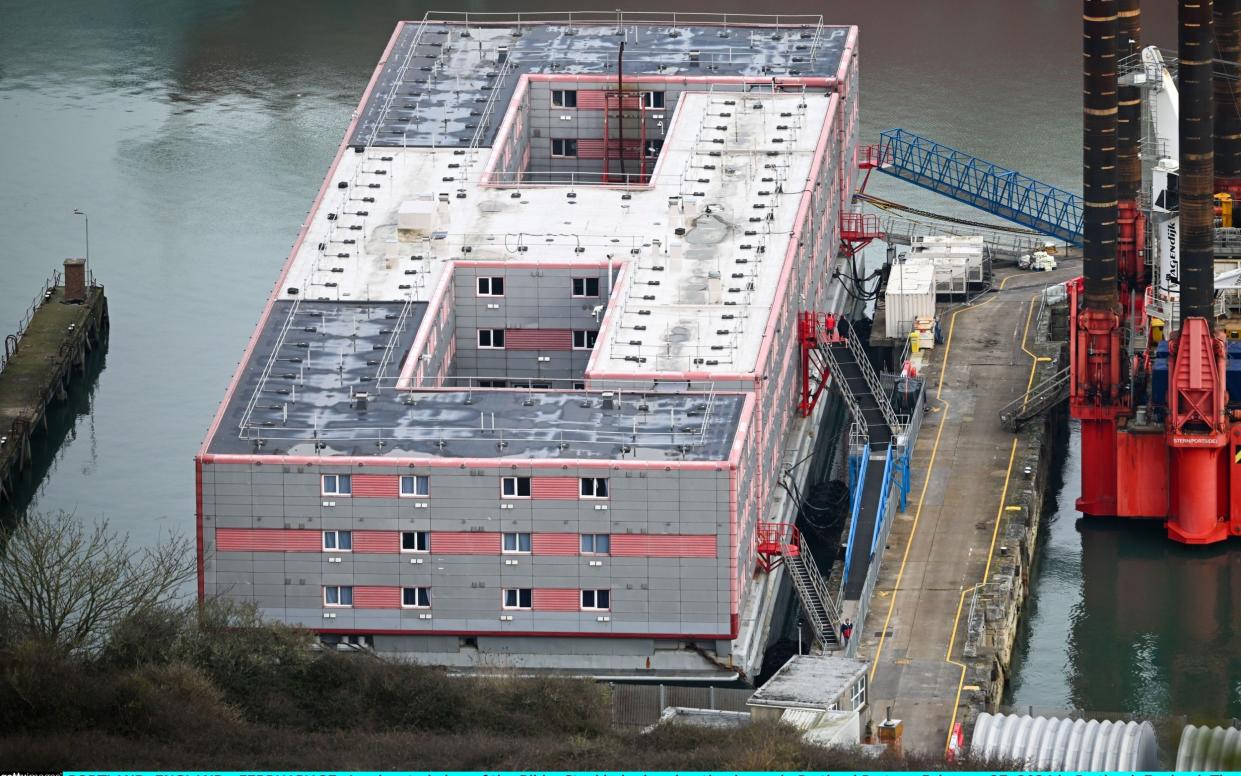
(1099, 154)
(1129, 117)
(1197, 136)
(1227, 82)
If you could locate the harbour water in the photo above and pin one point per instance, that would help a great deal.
(195, 133)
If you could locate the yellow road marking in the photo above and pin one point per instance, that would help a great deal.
(995, 532)
(947, 407)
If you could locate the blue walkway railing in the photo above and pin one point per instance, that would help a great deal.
(857, 480)
(990, 187)
(885, 491)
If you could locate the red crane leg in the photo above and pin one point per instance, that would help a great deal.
(1098, 496)
(1196, 513)
(1196, 434)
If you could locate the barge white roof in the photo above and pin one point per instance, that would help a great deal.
(733, 164)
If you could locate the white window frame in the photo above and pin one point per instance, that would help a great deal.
(517, 537)
(588, 339)
(565, 147)
(857, 693)
(340, 589)
(489, 284)
(593, 593)
(336, 534)
(426, 541)
(517, 591)
(585, 288)
(516, 487)
(594, 543)
(492, 336)
(418, 479)
(337, 480)
(559, 95)
(592, 484)
(424, 591)
(648, 100)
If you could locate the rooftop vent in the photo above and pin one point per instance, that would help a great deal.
(609, 400)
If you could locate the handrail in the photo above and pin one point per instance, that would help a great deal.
(884, 490)
(817, 580)
(872, 380)
(855, 509)
(1047, 393)
(267, 367)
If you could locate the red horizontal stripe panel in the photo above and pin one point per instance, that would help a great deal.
(555, 487)
(376, 486)
(538, 339)
(376, 597)
(557, 600)
(663, 546)
(465, 542)
(589, 99)
(556, 544)
(593, 148)
(267, 540)
(376, 541)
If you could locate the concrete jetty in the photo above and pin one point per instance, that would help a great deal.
(66, 321)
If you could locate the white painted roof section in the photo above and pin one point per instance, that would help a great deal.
(364, 256)
(810, 682)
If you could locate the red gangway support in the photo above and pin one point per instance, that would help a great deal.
(775, 540)
(857, 230)
(813, 331)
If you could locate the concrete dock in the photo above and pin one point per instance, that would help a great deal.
(940, 552)
(67, 320)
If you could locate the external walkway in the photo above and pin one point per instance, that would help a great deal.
(940, 547)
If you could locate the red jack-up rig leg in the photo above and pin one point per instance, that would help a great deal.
(1197, 429)
(1096, 361)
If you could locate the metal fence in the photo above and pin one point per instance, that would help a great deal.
(639, 705)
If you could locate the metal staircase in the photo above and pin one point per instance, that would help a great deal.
(1041, 398)
(985, 185)
(868, 402)
(811, 587)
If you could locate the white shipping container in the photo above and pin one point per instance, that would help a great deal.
(910, 295)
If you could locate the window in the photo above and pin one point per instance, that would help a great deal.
(653, 147)
(517, 542)
(415, 485)
(583, 339)
(491, 286)
(415, 541)
(338, 595)
(492, 384)
(586, 286)
(491, 338)
(341, 541)
(564, 98)
(416, 597)
(517, 598)
(337, 485)
(515, 487)
(596, 544)
(859, 693)
(594, 487)
(564, 147)
(653, 100)
(596, 599)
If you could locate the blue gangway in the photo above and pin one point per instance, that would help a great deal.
(998, 190)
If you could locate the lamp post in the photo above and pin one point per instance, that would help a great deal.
(77, 212)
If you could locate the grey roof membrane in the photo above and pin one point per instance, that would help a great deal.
(436, 89)
(810, 681)
(297, 395)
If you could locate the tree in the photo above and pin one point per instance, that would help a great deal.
(68, 584)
